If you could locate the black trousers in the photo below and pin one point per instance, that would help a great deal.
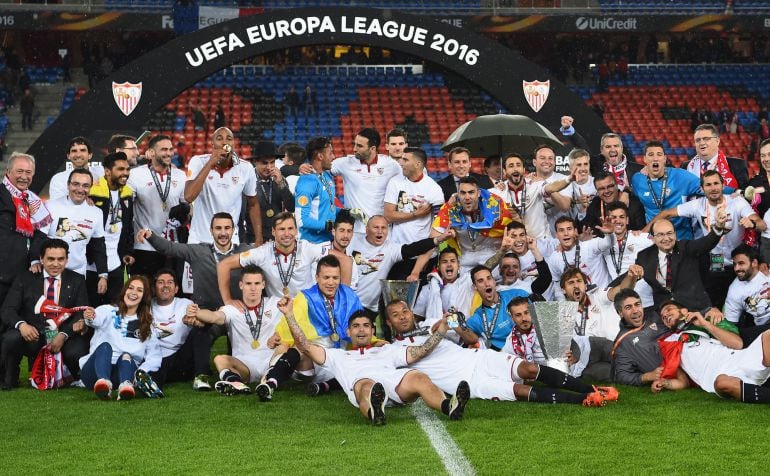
(15, 348)
(114, 285)
(177, 367)
(147, 263)
(201, 339)
(717, 283)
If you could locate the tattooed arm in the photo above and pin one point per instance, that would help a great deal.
(316, 353)
(416, 352)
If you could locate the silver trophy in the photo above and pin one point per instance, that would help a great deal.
(554, 323)
(406, 291)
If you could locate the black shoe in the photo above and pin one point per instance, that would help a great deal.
(314, 390)
(458, 401)
(377, 399)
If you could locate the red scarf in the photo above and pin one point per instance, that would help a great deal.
(31, 213)
(721, 166)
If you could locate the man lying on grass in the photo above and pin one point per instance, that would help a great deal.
(492, 375)
(699, 352)
(370, 376)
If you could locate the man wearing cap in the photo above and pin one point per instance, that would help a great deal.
(273, 193)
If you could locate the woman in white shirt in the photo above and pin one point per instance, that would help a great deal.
(124, 348)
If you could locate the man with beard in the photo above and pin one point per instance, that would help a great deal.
(523, 341)
(741, 217)
(607, 191)
(491, 375)
(709, 157)
(635, 353)
(660, 187)
(112, 195)
(158, 187)
(203, 259)
(596, 325)
(525, 198)
(490, 322)
(700, 353)
(749, 294)
(316, 203)
(477, 218)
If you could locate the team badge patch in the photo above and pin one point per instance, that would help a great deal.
(536, 93)
(235, 180)
(303, 200)
(380, 170)
(127, 96)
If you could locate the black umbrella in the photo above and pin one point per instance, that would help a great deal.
(498, 134)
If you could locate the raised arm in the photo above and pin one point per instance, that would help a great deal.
(316, 353)
(193, 188)
(223, 277)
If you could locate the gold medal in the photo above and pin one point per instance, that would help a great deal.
(270, 213)
(255, 344)
(334, 337)
(164, 206)
(286, 290)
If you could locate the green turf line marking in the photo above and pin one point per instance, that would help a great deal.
(449, 453)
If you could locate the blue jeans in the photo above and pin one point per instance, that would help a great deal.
(99, 366)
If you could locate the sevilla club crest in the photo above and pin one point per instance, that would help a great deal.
(126, 96)
(536, 93)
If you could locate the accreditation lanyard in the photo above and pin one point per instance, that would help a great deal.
(328, 189)
(255, 329)
(489, 327)
(521, 206)
(577, 257)
(162, 192)
(329, 306)
(658, 201)
(285, 275)
(618, 263)
(267, 194)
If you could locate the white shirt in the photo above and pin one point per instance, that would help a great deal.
(574, 191)
(447, 364)
(525, 346)
(551, 211)
(736, 208)
(591, 263)
(365, 184)
(170, 317)
(534, 206)
(57, 187)
(220, 193)
(303, 274)
(350, 366)
(407, 196)
(75, 224)
(239, 332)
(751, 296)
(373, 263)
(635, 242)
(603, 321)
(149, 211)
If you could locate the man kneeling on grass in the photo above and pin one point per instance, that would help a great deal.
(251, 333)
(492, 375)
(698, 352)
(371, 376)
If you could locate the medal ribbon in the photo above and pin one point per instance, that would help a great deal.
(332, 322)
(162, 193)
(658, 201)
(285, 275)
(489, 328)
(255, 329)
(621, 249)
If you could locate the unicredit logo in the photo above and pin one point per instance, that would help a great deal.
(609, 23)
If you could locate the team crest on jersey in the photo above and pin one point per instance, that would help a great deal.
(127, 96)
(303, 200)
(269, 313)
(380, 170)
(235, 180)
(536, 93)
(654, 326)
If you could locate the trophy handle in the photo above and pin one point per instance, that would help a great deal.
(559, 363)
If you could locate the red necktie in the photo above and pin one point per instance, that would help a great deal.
(50, 294)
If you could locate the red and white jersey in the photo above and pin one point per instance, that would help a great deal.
(591, 262)
(149, 211)
(350, 366)
(221, 193)
(446, 365)
(365, 184)
(533, 203)
(240, 335)
(303, 274)
(524, 346)
(408, 196)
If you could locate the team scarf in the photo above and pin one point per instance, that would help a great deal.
(619, 171)
(31, 213)
(671, 346)
(345, 303)
(696, 166)
(493, 218)
(463, 296)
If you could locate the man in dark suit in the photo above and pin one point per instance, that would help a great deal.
(733, 170)
(672, 267)
(26, 333)
(459, 160)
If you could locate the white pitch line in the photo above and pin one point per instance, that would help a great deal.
(448, 452)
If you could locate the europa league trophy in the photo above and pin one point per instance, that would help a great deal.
(554, 323)
(396, 289)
